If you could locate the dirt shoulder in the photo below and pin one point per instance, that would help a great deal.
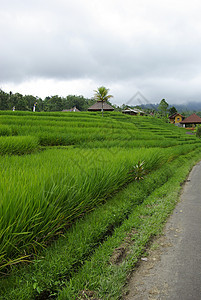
(172, 269)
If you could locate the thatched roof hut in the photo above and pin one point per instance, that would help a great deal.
(135, 111)
(75, 109)
(98, 106)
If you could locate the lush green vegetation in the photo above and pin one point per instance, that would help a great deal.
(19, 102)
(78, 183)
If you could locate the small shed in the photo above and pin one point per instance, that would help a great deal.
(191, 121)
(75, 109)
(176, 118)
(134, 112)
(98, 106)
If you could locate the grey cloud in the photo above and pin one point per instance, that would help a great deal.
(65, 40)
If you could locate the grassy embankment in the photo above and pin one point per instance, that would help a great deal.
(51, 193)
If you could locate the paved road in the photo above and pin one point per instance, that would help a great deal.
(173, 271)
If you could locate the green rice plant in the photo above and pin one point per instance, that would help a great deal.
(57, 187)
(5, 130)
(41, 193)
(106, 279)
(53, 196)
(130, 144)
(76, 129)
(48, 273)
(17, 145)
(51, 139)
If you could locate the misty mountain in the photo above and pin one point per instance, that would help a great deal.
(191, 106)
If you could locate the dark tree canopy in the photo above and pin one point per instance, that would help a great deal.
(8, 101)
(172, 110)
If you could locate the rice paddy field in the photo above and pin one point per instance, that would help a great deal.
(75, 187)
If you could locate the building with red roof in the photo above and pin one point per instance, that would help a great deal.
(176, 118)
(191, 121)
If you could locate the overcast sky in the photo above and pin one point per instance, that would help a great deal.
(62, 47)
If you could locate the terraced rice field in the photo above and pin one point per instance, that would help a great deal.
(70, 183)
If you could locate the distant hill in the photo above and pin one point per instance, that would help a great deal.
(191, 106)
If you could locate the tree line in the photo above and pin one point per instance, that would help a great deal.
(10, 100)
(17, 101)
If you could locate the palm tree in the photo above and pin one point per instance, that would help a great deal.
(101, 95)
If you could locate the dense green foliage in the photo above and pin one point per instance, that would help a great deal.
(198, 131)
(163, 108)
(81, 180)
(8, 101)
(172, 110)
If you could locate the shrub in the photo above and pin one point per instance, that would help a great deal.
(198, 132)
